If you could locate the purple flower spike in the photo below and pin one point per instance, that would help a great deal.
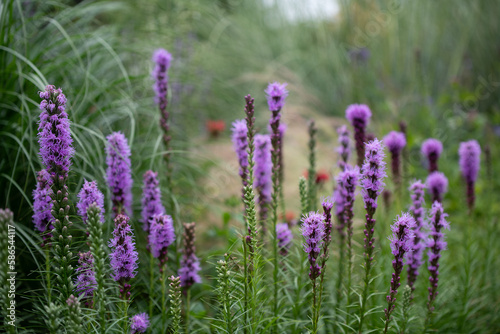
(42, 203)
(435, 244)
(161, 235)
(395, 142)
(437, 185)
(415, 258)
(276, 95)
(344, 149)
(85, 282)
(327, 205)
(151, 199)
(90, 194)
(469, 153)
(431, 150)
(401, 244)
(162, 59)
(240, 144)
(123, 256)
(359, 116)
(54, 134)
(284, 236)
(344, 198)
(263, 170)
(313, 230)
(139, 323)
(373, 174)
(119, 173)
(190, 265)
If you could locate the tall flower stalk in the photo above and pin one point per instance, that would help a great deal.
(311, 173)
(119, 174)
(85, 283)
(344, 148)
(56, 151)
(359, 116)
(431, 150)
(263, 180)
(417, 190)
(162, 59)
(240, 144)
(435, 244)
(395, 142)
(151, 199)
(276, 95)
(88, 195)
(469, 153)
(175, 304)
(401, 244)
(42, 205)
(313, 230)
(225, 297)
(437, 186)
(372, 184)
(281, 161)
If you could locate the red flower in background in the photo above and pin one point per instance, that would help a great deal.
(321, 176)
(215, 127)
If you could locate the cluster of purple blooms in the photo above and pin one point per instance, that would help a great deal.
(190, 265)
(284, 236)
(395, 142)
(88, 195)
(344, 149)
(42, 202)
(276, 95)
(469, 153)
(263, 170)
(415, 260)
(359, 116)
(151, 199)
(437, 185)
(373, 174)
(161, 235)
(119, 174)
(85, 282)
(431, 150)
(139, 323)
(240, 144)
(313, 230)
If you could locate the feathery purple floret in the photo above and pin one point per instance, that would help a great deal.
(123, 256)
(151, 199)
(139, 323)
(85, 282)
(327, 204)
(373, 174)
(284, 236)
(263, 168)
(395, 142)
(54, 134)
(276, 95)
(415, 260)
(436, 244)
(88, 195)
(161, 235)
(42, 203)
(344, 196)
(469, 153)
(190, 265)
(344, 149)
(313, 230)
(162, 59)
(240, 144)
(401, 244)
(119, 173)
(437, 185)
(431, 150)
(359, 116)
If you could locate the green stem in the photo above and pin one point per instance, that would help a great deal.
(163, 299)
(340, 271)
(188, 308)
(47, 274)
(151, 285)
(314, 310)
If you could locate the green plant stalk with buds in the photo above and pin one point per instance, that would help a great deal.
(94, 227)
(407, 297)
(225, 297)
(74, 322)
(175, 303)
(311, 173)
(53, 320)
(304, 196)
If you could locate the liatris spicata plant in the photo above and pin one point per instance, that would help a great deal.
(240, 144)
(53, 319)
(435, 244)
(417, 190)
(190, 265)
(469, 153)
(85, 282)
(151, 199)
(359, 116)
(7, 236)
(74, 323)
(94, 227)
(437, 186)
(175, 304)
(311, 173)
(303, 195)
(281, 162)
(345, 196)
(139, 323)
(225, 297)
(276, 95)
(88, 195)
(344, 149)
(431, 150)
(161, 235)
(372, 184)
(162, 60)
(56, 150)
(285, 236)
(401, 244)
(263, 181)
(313, 230)
(119, 173)
(395, 142)
(42, 204)
(123, 256)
